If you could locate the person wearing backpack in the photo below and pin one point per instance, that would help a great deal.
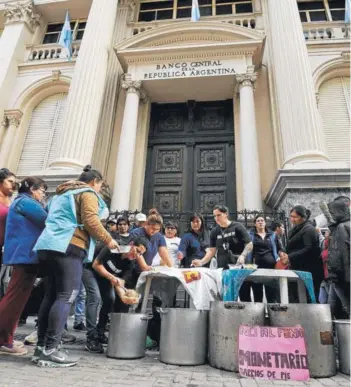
(72, 227)
(339, 255)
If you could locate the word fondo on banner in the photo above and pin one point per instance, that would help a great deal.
(273, 353)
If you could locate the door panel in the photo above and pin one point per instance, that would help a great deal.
(190, 157)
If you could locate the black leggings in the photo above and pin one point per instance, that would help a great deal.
(62, 283)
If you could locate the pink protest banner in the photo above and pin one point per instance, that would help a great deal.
(273, 353)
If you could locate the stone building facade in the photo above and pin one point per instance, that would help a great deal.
(249, 106)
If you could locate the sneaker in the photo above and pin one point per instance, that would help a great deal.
(31, 339)
(103, 339)
(36, 355)
(56, 358)
(68, 338)
(94, 346)
(7, 349)
(79, 327)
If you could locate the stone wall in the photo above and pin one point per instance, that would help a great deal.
(310, 198)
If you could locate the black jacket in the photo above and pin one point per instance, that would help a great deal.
(304, 252)
(339, 245)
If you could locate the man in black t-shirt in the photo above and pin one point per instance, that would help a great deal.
(118, 268)
(229, 240)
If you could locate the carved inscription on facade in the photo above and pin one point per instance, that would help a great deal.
(205, 68)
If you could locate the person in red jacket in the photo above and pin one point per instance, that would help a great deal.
(324, 289)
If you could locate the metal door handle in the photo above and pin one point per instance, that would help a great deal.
(278, 308)
(234, 306)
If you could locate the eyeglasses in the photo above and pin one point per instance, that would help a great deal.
(42, 190)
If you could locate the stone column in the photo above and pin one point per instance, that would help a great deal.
(126, 148)
(301, 129)
(250, 166)
(106, 125)
(21, 21)
(12, 121)
(87, 89)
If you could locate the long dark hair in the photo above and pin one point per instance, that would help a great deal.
(4, 174)
(255, 220)
(301, 211)
(192, 217)
(31, 182)
(89, 174)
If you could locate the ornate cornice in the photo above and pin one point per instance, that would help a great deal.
(13, 117)
(22, 12)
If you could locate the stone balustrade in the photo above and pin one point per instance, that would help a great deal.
(242, 21)
(326, 31)
(45, 52)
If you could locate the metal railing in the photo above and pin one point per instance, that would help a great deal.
(245, 217)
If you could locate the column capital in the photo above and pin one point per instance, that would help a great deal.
(22, 12)
(13, 117)
(131, 86)
(247, 79)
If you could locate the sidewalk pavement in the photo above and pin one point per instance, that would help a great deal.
(96, 370)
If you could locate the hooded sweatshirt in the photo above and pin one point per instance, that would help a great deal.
(87, 212)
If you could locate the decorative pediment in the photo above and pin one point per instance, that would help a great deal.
(183, 40)
(185, 33)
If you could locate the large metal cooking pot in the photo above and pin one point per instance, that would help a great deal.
(183, 336)
(343, 333)
(317, 324)
(225, 320)
(127, 336)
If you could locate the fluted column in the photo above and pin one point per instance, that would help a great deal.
(87, 89)
(21, 20)
(250, 166)
(12, 120)
(126, 148)
(301, 129)
(109, 105)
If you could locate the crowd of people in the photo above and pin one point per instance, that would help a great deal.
(96, 264)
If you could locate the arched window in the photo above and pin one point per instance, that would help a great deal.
(334, 108)
(41, 142)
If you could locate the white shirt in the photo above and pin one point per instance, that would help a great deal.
(172, 246)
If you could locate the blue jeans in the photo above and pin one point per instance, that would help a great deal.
(79, 309)
(63, 278)
(99, 293)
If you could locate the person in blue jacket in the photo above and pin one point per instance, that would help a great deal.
(72, 227)
(25, 223)
(194, 242)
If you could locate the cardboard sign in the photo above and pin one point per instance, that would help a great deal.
(273, 353)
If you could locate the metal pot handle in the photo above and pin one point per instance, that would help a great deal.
(146, 318)
(278, 308)
(235, 306)
(162, 310)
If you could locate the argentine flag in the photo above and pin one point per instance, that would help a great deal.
(66, 36)
(195, 11)
(347, 11)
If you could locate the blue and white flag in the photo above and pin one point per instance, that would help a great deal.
(67, 36)
(195, 11)
(347, 11)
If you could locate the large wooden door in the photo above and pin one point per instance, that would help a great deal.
(190, 161)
